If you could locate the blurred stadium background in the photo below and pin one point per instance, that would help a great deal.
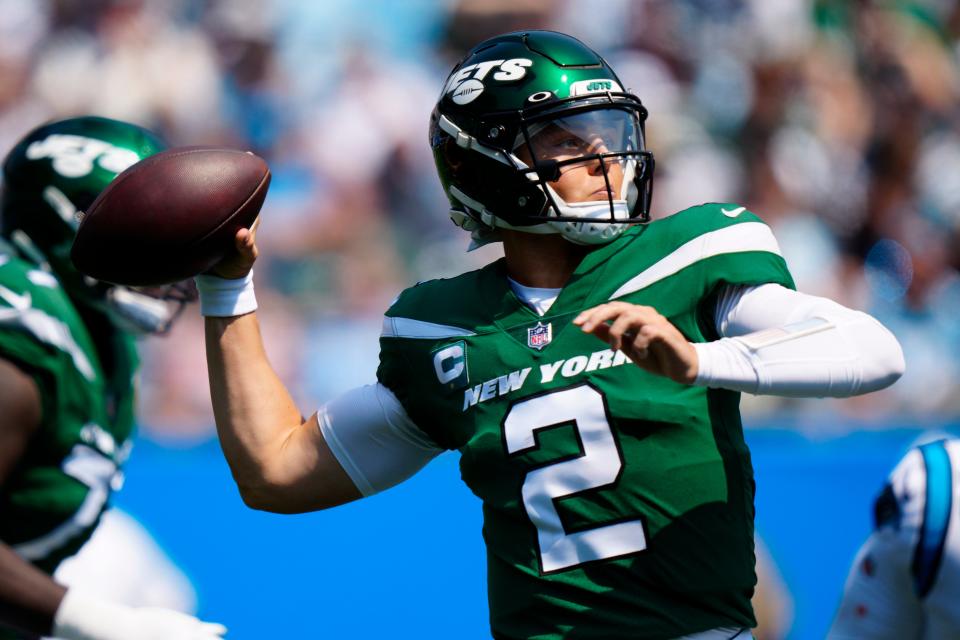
(837, 121)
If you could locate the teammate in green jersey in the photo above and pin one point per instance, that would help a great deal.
(67, 365)
(590, 379)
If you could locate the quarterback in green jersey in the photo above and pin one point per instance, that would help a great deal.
(67, 366)
(589, 379)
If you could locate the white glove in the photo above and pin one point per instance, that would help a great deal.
(85, 617)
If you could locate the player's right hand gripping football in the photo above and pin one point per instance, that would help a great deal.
(239, 263)
(84, 617)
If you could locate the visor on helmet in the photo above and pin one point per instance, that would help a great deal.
(578, 135)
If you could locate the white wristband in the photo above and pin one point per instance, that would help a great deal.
(222, 298)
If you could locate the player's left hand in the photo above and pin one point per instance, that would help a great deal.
(646, 337)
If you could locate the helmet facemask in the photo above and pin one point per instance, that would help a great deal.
(151, 310)
(591, 166)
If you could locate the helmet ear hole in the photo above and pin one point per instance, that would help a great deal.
(452, 154)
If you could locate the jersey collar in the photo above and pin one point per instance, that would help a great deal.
(510, 312)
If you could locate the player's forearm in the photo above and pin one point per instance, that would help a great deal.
(253, 409)
(28, 597)
(825, 350)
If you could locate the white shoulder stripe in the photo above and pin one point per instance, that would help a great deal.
(410, 328)
(738, 238)
(45, 328)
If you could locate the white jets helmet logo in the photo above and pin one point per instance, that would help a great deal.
(467, 91)
(466, 84)
(74, 156)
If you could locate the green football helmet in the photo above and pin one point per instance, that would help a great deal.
(55, 172)
(519, 118)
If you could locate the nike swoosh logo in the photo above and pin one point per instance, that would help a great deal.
(18, 302)
(732, 213)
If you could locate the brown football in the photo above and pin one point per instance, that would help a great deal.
(170, 216)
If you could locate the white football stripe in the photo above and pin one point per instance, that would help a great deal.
(738, 238)
(410, 328)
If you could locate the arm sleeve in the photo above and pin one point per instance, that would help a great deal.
(782, 342)
(374, 439)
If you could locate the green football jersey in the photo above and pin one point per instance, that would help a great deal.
(617, 503)
(53, 499)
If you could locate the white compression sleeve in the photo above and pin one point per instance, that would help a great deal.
(782, 342)
(374, 439)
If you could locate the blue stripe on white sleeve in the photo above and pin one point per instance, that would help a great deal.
(928, 555)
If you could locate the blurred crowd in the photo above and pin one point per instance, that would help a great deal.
(835, 120)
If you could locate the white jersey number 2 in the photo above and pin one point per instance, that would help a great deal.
(599, 466)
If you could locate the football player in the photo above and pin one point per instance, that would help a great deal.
(590, 379)
(905, 581)
(67, 362)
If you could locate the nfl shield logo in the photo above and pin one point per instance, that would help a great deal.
(539, 336)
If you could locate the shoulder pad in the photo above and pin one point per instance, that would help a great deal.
(440, 308)
(32, 304)
(712, 215)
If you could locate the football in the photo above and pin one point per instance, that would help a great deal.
(170, 216)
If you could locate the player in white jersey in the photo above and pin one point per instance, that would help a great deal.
(905, 581)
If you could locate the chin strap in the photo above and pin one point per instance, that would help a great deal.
(482, 237)
(483, 231)
(468, 222)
